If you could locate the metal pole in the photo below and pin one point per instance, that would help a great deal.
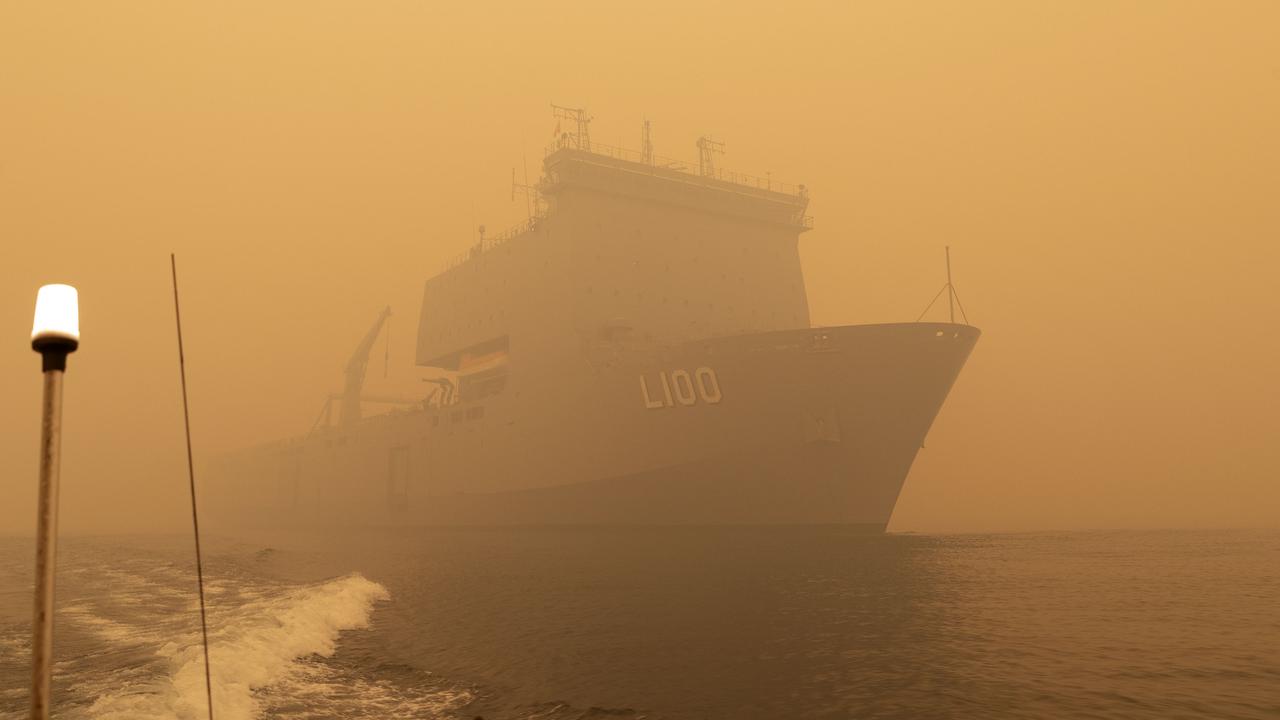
(951, 293)
(46, 544)
(55, 333)
(191, 477)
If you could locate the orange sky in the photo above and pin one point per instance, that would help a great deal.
(1106, 174)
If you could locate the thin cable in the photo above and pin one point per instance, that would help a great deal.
(959, 304)
(931, 302)
(191, 476)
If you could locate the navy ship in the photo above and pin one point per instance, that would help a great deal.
(639, 351)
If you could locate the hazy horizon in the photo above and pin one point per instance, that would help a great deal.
(1104, 175)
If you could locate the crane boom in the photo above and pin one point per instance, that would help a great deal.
(350, 411)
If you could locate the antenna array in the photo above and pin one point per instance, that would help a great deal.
(582, 136)
(707, 148)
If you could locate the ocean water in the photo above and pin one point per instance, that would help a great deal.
(682, 623)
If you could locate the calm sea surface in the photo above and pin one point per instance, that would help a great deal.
(684, 623)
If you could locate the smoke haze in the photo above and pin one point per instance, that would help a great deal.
(1105, 175)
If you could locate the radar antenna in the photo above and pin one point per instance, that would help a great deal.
(707, 148)
(582, 137)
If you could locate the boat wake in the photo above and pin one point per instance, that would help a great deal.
(129, 644)
(255, 647)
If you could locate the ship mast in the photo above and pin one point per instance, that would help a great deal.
(953, 297)
(532, 195)
(350, 410)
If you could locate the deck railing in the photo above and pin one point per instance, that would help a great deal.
(681, 166)
(487, 243)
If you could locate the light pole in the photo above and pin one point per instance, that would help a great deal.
(54, 334)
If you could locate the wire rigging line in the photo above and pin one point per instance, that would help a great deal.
(960, 305)
(191, 476)
(931, 302)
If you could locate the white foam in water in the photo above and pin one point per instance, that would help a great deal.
(106, 628)
(256, 646)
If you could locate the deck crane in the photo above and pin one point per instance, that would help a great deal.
(349, 412)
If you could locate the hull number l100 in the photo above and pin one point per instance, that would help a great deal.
(680, 388)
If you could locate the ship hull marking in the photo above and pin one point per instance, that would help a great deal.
(649, 403)
(681, 387)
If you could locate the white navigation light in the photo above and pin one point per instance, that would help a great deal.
(57, 316)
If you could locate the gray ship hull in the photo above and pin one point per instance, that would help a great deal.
(786, 427)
